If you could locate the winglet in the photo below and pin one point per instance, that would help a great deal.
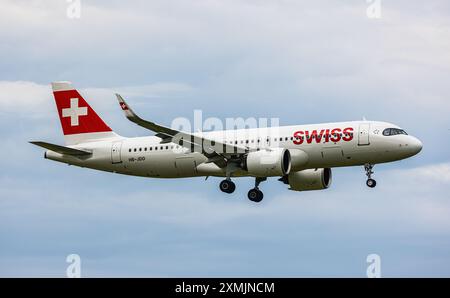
(124, 106)
(163, 132)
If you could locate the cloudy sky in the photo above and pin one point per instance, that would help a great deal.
(301, 61)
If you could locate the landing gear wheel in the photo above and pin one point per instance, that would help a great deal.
(255, 195)
(371, 183)
(369, 171)
(227, 186)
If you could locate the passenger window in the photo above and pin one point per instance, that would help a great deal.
(135, 149)
(129, 150)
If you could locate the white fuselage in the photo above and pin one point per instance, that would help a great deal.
(323, 146)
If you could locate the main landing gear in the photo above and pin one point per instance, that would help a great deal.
(227, 186)
(369, 171)
(254, 194)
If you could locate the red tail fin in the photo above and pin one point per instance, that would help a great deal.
(79, 121)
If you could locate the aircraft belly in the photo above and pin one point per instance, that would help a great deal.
(333, 156)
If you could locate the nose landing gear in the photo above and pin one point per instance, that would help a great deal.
(369, 171)
(371, 183)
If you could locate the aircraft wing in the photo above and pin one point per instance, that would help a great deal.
(210, 148)
(62, 149)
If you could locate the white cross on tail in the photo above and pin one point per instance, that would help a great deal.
(74, 112)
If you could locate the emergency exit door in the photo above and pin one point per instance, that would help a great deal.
(115, 152)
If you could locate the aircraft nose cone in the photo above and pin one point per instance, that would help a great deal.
(415, 145)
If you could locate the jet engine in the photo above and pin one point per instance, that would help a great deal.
(311, 179)
(265, 163)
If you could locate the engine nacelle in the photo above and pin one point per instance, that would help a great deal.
(265, 163)
(311, 179)
(299, 159)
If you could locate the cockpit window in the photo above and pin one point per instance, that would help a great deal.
(393, 132)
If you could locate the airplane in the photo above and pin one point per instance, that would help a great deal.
(301, 156)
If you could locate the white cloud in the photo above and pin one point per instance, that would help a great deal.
(31, 98)
(155, 90)
(429, 174)
(16, 96)
(242, 50)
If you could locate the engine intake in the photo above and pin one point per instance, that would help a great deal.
(265, 163)
(311, 179)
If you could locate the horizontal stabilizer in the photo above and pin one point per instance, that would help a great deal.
(62, 149)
